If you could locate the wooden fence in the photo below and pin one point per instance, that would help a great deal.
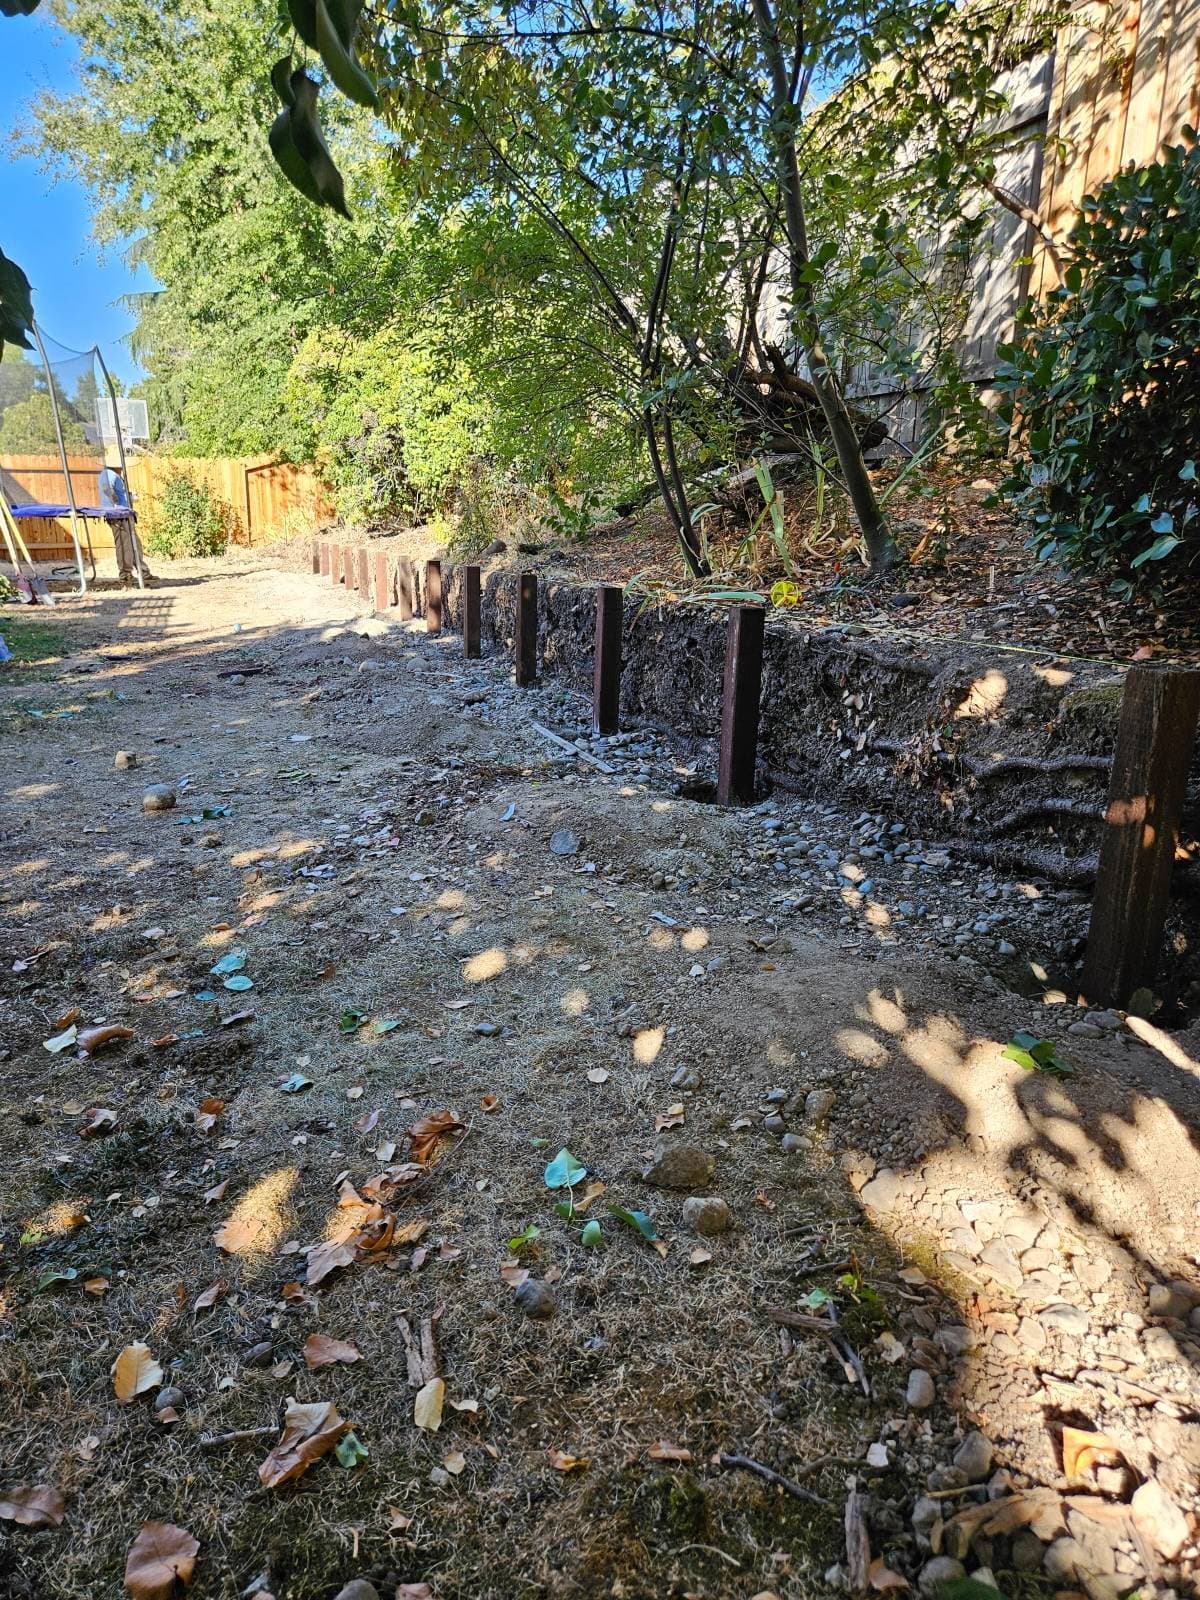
(264, 495)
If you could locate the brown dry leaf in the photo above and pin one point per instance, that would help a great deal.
(322, 1351)
(100, 1120)
(326, 1258)
(1144, 652)
(662, 1451)
(427, 1407)
(68, 1017)
(513, 1274)
(165, 1041)
(700, 1257)
(397, 1520)
(210, 1296)
(207, 1114)
(367, 1122)
(490, 1102)
(33, 1505)
(672, 1117)
(411, 1231)
(166, 1416)
(217, 1192)
(882, 1577)
(455, 1463)
(592, 1192)
(239, 1234)
(161, 1559)
(309, 1432)
(561, 1462)
(1081, 1451)
(428, 1130)
(93, 1039)
(134, 1371)
(97, 1286)
(295, 1294)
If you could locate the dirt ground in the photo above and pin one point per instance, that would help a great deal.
(439, 909)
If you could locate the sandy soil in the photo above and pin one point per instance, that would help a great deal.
(381, 854)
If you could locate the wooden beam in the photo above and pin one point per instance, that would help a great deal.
(606, 677)
(1155, 739)
(471, 612)
(383, 586)
(316, 559)
(363, 584)
(324, 558)
(406, 597)
(433, 597)
(739, 705)
(527, 630)
(335, 563)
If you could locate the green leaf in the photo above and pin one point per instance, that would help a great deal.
(1036, 1055)
(57, 1275)
(531, 1233)
(637, 1220)
(295, 1083)
(385, 1024)
(351, 1020)
(1156, 551)
(350, 1450)
(564, 1171)
(591, 1235)
(967, 1589)
(239, 983)
(233, 962)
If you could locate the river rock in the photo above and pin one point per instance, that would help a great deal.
(920, 1391)
(680, 1166)
(935, 1573)
(124, 759)
(707, 1215)
(974, 1456)
(358, 1589)
(158, 797)
(818, 1103)
(1159, 1520)
(536, 1299)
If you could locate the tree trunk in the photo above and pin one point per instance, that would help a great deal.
(881, 547)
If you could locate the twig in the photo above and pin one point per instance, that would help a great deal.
(580, 755)
(746, 1464)
(850, 1355)
(421, 1352)
(209, 1441)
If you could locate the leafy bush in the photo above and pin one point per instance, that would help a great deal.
(189, 520)
(1103, 392)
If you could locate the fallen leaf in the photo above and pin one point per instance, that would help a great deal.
(100, 1120)
(1081, 1451)
(166, 1415)
(672, 1117)
(455, 1463)
(356, 1092)
(90, 1040)
(882, 1577)
(366, 1123)
(464, 1405)
(351, 1451)
(322, 1351)
(598, 1075)
(561, 1462)
(700, 1257)
(60, 1041)
(207, 1114)
(33, 1505)
(564, 1171)
(97, 1286)
(426, 1132)
(427, 1407)
(309, 1432)
(235, 1017)
(217, 1192)
(165, 1041)
(414, 1591)
(209, 1296)
(397, 1521)
(490, 1102)
(593, 1192)
(326, 1258)
(513, 1274)
(161, 1559)
(134, 1371)
(1144, 652)
(239, 1233)
(662, 1451)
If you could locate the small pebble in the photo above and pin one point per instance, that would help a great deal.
(536, 1299)
(124, 759)
(158, 797)
(920, 1392)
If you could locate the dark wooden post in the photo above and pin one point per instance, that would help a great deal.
(527, 630)
(335, 562)
(324, 569)
(405, 597)
(471, 612)
(1155, 738)
(433, 597)
(364, 573)
(383, 588)
(316, 558)
(739, 705)
(606, 679)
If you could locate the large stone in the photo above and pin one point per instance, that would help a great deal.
(1062, 1318)
(939, 1571)
(680, 1166)
(158, 797)
(1000, 1262)
(974, 1456)
(707, 1215)
(358, 1589)
(1169, 1300)
(536, 1299)
(818, 1103)
(124, 759)
(1159, 1520)
(883, 1190)
(920, 1391)
(564, 843)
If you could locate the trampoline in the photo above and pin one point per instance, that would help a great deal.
(61, 429)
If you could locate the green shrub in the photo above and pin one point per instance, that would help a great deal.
(189, 520)
(1102, 393)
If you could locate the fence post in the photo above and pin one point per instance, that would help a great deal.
(606, 679)
(739, 705)
(405, 597)
(383, 589)
(335, 563)
(363, 584)
(324, 558)
(471, 607)
(1146, 788)
(527, 630)
(316, 558)
(433, 597)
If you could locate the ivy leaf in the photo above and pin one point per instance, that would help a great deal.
(638, 1220)
(564, 1171)
(1036, 1055)
(351, 1451)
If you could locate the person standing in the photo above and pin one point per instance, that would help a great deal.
(114, 496)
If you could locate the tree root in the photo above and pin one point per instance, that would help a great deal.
(1006, 764)
(1055, 806)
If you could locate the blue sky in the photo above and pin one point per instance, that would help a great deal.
(44, 225)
